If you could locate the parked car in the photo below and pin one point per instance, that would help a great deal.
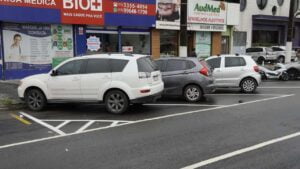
(239, 71)
(115, 79)
(187, 77)
(293, 70)
(278, 72)
(281, 53)
(261, 54)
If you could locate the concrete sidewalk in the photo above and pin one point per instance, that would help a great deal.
(9, 95)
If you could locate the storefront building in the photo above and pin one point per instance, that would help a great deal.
(265, 22)
(32, 33)
(211, 23)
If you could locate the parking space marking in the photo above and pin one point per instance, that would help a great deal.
(188, 105)
(85, 126)
(241, 151)
(243, 94)
(43, 124)
(280, 87)
(63, 124)
(20, 119)
(145, 120)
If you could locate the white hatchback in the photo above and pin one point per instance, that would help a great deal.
(235, 71)
(118, 80)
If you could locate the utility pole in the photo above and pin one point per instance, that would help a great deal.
(289, 43)
(183, 29)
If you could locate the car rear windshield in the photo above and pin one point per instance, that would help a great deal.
(145, 64)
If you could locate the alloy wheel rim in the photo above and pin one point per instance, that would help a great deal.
(35, 100)
(116, 102)
(192, 93)
(248, 85)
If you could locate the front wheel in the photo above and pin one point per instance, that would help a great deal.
(281, 59)
(192, 93)
(116, 102)
(248, 85)
(284, 76)
(35, 99)
(293, 74)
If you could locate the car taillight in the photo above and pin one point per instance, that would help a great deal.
(256, 68)
(204, 71)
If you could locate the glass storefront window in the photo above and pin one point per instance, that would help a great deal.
(136, 42)
(102, 42)
(168, 43)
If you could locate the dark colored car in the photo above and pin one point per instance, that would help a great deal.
(187, 77)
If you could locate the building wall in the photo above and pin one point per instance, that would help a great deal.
(216, 43)
(155, 43)
(252, 9)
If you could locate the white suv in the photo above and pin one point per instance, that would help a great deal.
(235, 71)
(115, 79)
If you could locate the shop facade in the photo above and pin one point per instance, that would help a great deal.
(32, 34)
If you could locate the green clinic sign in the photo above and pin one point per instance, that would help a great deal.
(207, 12)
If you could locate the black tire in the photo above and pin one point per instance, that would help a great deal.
(281, 59)
(248, 85)
(116, 102)
(284, 76)
(293, 74)
(192, 93)
(260, 60)
(35, 99)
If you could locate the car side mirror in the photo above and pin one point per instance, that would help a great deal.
(54, 73)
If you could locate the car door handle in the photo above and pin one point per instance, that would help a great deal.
(185, 72)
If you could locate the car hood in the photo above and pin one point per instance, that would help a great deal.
(40, 77)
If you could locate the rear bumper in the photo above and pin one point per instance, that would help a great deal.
(209, 89)
(147, 99)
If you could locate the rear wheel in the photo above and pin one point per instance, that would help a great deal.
(260, 60)
(116, 102)
(35, 99)
(284, 76)
(192, 93)
(281, 59)
(248, 85)
(293, 74)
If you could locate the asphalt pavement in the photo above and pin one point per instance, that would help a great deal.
(227, 130)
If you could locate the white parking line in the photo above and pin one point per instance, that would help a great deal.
(245, 94)
(43, 123)
(85, 120)
(280, 87)
(145, 120)
(85, 126)
(63, 124)
(188, 105)
(242, 151)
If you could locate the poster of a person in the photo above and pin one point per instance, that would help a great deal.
(15, 50)
(168, 10)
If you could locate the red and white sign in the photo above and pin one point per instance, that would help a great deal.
(127, 48)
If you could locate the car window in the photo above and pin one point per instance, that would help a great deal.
(249, 50)
(98, 66)
(277, 49)
(145, 64)
(70, 68)
(234, 61)
(118, 65)
(160, 64)
(175, 65)
(190, 64)
(214, 63)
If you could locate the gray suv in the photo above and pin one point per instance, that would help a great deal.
(187, 77)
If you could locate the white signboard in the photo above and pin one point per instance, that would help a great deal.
(127, 48)
(206, 27)
(168, 14)
(207, 12)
